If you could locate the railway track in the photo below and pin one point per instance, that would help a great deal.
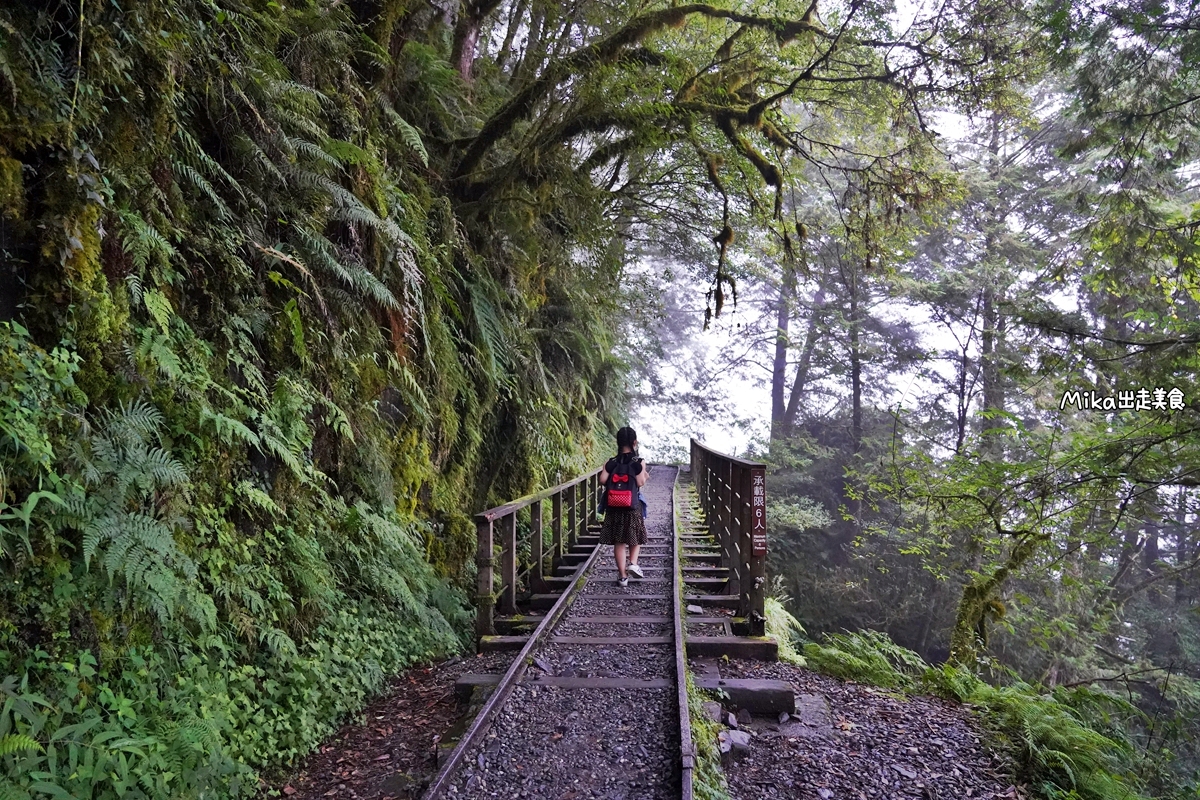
(594, 705)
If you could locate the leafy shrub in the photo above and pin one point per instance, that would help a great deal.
(782, 626)
(867, 656)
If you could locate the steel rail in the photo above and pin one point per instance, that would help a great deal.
(687, 751)
(507, 684)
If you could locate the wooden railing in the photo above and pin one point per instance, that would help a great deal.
(572, 508)
(733, 495)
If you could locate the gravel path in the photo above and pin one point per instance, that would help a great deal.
(553, 743)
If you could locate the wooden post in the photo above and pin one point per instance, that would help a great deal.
(589, 500)
(758, 551)
(745, 526)
(508, 600)
(572, 519)
(484, 623)
(710, 505)
(536, 569)
(556, 526)
(725, 511)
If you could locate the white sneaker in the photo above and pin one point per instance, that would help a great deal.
(622, 582)
(635, 569)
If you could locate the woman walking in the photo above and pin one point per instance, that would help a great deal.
(624, 527)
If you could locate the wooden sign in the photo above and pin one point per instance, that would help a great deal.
(758, 512)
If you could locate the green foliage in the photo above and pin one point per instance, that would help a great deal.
(867, 656)
(708, 779)
(782, 626)
(1049, 736)
(261, 372)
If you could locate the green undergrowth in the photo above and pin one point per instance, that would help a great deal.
(708, 779)
(784, 628)
(1076, 743)
(257, 366)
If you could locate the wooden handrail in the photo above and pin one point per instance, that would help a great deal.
(529, 499)
(572, 508)
(733, 495)
(733, 459)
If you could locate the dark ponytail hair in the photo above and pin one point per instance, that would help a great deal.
(626, 437)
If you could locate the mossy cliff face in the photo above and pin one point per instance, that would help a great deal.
(258, 366)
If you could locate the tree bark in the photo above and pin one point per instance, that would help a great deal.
(992, 445)
(514, 22)
(787, 290)
(800, 382)
(471, 15)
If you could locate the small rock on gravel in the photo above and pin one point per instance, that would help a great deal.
(734, 743)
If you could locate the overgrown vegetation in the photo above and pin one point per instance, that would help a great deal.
(1065, 742)
(254, 368)
(781, 626)
(708, 778)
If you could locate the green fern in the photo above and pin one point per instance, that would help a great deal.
(408, 134)
(16, 742)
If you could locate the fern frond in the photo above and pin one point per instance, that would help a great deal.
(203, 161)
(189, 175)
(314, 152)
(16, 742)
(156, 348)
(159, 307)
(228, 429)
(408, 134)
(258, 498)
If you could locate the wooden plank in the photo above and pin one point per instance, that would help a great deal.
(484, 540)
(497, 644)
(601, 619)
(508, 564)
(516, 505)
(601, 641)
(518, 623)
(600, 683)
(536, 545)
(724, 600)
(758, 648)
(543, 602)
(705, 583)
(733, 459)
(717, 620)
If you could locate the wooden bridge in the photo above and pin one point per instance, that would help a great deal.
(590, 655)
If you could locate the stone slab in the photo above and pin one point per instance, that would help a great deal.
(756, 696)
